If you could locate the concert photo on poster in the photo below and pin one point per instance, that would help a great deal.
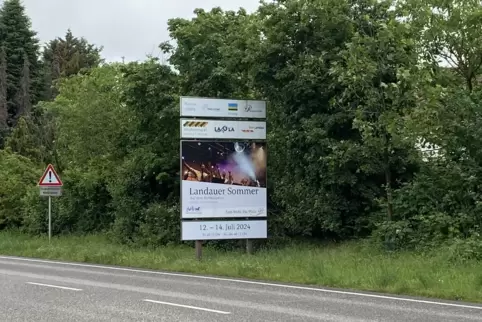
(233, 163)
(223, 179)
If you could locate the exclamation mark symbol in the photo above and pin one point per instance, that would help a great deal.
(50, 176)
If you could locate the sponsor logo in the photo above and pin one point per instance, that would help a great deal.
(250, 109)
(189, 107)
(232, 107)
(252, 129)
(199, 128)
(224, 129)
(195, 124)
(212, 109)
(193, 210)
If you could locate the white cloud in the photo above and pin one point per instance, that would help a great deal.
(126, 28)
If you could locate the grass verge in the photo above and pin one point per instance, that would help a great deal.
(351, 265)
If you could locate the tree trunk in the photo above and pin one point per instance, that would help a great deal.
(470, 86)
(3, 91)
(388, 181)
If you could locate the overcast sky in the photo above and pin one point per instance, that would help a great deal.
(129, 28)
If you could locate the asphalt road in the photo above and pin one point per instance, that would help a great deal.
(38, 290)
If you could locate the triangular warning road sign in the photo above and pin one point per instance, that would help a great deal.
(50, 178)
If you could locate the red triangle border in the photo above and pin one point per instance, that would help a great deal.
(51, 168)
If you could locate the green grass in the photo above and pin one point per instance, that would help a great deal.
(350, 265)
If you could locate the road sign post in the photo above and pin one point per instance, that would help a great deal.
(50, 218)
(50, 186)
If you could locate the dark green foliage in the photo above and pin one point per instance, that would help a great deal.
(33, 137)
(21, 47)
(83, 208)
(220, 43)
(443, 201)
(4, 116)
(317, 159)
(466, 249)
(18, 175)
(64, 57)
(158, 225)
(149, 172)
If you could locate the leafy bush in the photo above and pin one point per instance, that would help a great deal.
(159, 225)
(83, 207)
(423, 231)
(441, 203)
(35, 213)
(466, 249)
(17, 176)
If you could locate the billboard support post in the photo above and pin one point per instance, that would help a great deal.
(199, 249)
(249, 246)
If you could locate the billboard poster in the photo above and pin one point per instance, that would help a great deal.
(210, 230)
(223, 179)
(220, 129)
(222, 108)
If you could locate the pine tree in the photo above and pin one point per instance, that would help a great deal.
(21, 49)
(47, 92)
(68, 56)
(3, 91)
(3, 98)
(23, 100)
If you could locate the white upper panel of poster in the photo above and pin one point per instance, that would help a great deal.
(218, 129)
(226, 108)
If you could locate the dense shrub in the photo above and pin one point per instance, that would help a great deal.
(159, 225)
(17, 176)
(82, 208)
(442, 203)
(466, 249)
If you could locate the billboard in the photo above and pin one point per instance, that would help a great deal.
(223, 179)
(217, 129)
(222, 108)
(238, 229)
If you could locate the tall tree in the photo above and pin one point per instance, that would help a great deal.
(381, 74)
(19, 41)
(82, 134)
(451, 32)
(209, 52)
(3, 97)
(23, 100)
(68, 56)
(149, 173)
(315, 152)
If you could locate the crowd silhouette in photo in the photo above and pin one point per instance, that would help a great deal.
(222, 169)
(213, 174)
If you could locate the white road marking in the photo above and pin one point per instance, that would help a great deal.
(55, 286)
(187, 306)
(232, 280)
